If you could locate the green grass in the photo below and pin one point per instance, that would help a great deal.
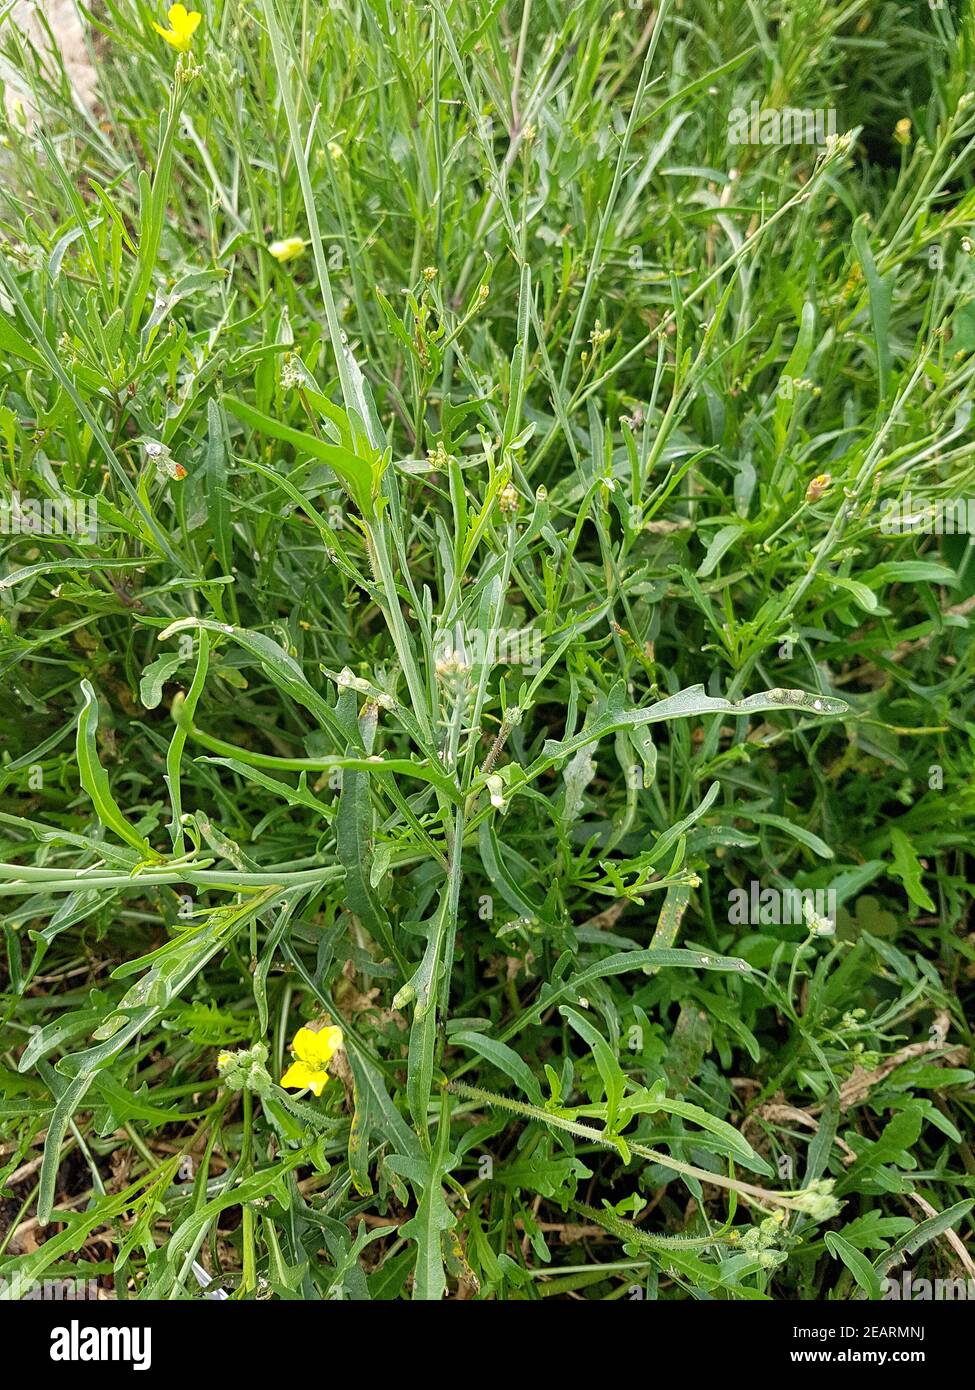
(478, 600)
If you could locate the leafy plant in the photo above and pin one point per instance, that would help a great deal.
(459, 533)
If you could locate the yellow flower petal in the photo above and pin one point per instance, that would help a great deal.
(301, 1075)
(166, 34)
(183, 26)
(317, 1048)
(287, 248)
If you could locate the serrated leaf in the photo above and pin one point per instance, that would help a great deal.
(907, 867)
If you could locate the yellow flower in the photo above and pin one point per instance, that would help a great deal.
(902, 131)
(182, 27)
(313, 1050)
(287, 249)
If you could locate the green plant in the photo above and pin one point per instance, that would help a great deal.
(486, 582)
